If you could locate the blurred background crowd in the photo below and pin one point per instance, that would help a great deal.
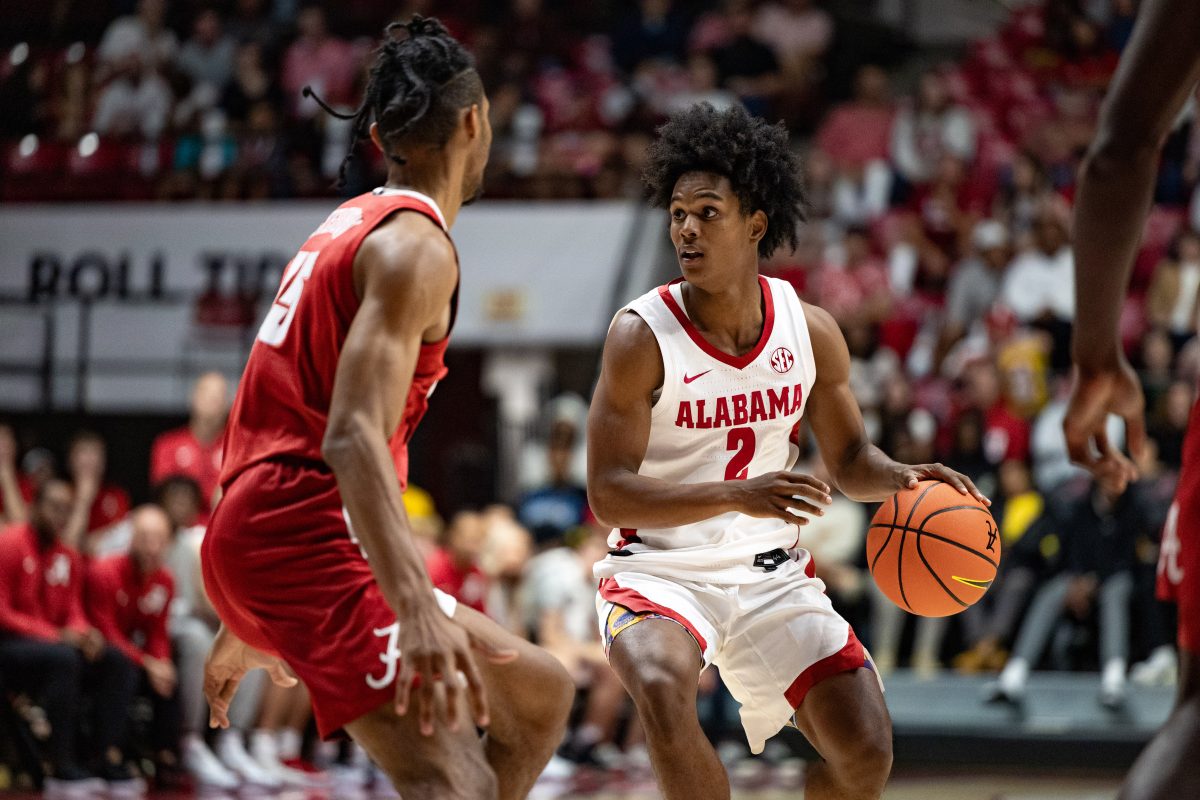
(938, 237)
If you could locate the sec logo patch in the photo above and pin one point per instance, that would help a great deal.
(782, 360)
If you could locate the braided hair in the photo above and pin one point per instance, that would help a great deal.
(422, 78)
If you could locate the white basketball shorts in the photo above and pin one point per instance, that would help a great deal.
(772, 640)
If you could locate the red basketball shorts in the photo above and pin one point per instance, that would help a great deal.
(286, 577)
(1179, 555)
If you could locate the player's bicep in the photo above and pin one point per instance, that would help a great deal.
(619, 417)
(375, 367)
(405, 288)
(832, 410)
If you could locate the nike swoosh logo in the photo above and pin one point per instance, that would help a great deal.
(970, 582)
(690, 378)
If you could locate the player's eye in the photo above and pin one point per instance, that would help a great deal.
(678, 215)
(709, 212)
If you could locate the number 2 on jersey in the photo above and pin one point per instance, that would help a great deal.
(275, 327)
(741, 440)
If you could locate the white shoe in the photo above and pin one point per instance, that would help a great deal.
(266, 755)
(1160, 669)
(232, 752)
(204, 767)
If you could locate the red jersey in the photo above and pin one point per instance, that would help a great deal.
(130, 609)
(110, 506)
(282, 403)
(179, 452)
(40, 589)
(468, 586)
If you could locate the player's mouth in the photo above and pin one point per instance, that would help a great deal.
(690, 255)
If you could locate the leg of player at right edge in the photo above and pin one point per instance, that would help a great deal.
(1167, 768)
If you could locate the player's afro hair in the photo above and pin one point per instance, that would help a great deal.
(754, 156)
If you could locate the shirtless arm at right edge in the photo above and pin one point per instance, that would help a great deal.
(618, 435)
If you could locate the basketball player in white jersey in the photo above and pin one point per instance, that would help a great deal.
(690, 441)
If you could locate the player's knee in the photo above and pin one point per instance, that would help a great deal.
(661, 695)
(866, 763)
(557, 695)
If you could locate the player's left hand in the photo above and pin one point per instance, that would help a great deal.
(227, 663)
(908, 475)
(1096, 393)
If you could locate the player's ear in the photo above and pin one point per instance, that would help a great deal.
(376, 138)
(758, 225)
(473, 121)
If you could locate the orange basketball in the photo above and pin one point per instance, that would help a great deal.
(932, 550)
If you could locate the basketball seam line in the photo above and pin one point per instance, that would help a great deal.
(929, 567)
(903, 536)
(941, 538)
(891, 529)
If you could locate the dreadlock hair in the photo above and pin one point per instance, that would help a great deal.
(763, 171)
(422, 78)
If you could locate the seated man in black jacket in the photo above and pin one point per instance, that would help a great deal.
(1099, 533)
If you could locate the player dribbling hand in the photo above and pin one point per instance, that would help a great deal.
(909, 475)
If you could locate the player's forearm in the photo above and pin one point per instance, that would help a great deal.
(1108, 227)
(366, 478)
(624, 499)
(866, 474)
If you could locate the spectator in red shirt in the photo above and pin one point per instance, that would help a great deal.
(98, 504)
(194, 451)
(454, 567)
(47, 646)
(858, 132)
(128, 597)
(1005, 435)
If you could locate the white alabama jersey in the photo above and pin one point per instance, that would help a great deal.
(719, 417)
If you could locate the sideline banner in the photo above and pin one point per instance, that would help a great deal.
(172, 289)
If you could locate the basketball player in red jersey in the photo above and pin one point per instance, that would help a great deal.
(690, 446)
(309, 559)
(1158, 71)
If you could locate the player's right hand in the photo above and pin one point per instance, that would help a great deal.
(434, 650)
(775, 494)
(228, 662)
(1096, 393)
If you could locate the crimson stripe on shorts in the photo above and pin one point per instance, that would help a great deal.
(850, 657)
(624, 596)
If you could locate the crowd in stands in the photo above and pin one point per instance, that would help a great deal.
(939, 238)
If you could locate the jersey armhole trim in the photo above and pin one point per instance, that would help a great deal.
(666, 395)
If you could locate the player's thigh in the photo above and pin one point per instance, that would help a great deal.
(658, 662)
(530, 694)
(445, 764)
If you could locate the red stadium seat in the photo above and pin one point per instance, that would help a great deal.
(33, 173)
